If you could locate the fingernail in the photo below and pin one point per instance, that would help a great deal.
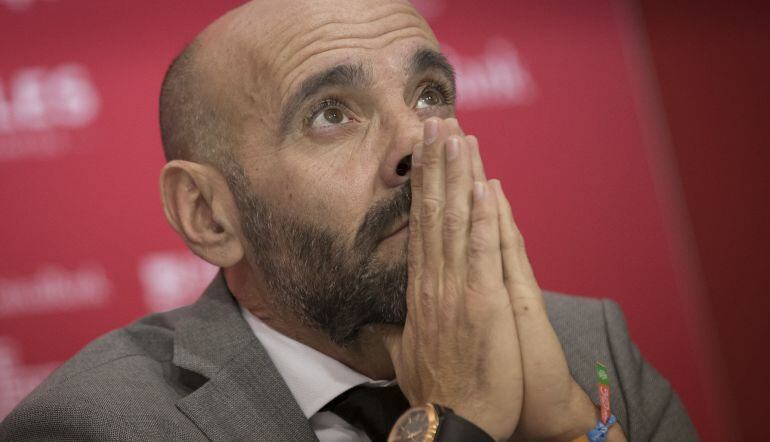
(417, 155)
(478, 190)
(496, 184)
(430, 131)
(452, 148)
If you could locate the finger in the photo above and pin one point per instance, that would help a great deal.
(456, 223)
(432, 203)
(453, 127)
(538, 342)
(484, 260)
(478, 166)
(414, 251)
(519, 278)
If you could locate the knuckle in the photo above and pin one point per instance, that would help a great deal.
(453, 176)
(475, 285)
(481, 302)
(414, 225)
(431, 158)
(482, 212)
(478, 245)
(425, 299)
(455, 221)
(430, 212)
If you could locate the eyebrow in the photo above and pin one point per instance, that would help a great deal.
(425, 60)
(341, 75)
(355, 75)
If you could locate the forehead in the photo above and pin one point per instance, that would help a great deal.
(323, 34)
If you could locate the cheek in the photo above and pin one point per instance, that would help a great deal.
(332, 188)
(334, 201)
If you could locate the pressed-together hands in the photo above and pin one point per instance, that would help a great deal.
(477, 338)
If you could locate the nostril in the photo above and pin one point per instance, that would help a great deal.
(404, 165)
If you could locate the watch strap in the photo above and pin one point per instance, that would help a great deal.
(454, 428)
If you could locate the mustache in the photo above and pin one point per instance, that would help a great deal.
(382, 216)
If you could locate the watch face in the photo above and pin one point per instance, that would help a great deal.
(411, 427)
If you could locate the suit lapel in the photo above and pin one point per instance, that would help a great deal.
(242, 396)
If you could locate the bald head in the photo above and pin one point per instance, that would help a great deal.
(245, 65)
(192, 128)
(310, 112)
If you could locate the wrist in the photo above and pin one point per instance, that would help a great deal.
(488, 423)
(579, 433)
(455, 428)
(580, 418)
(435, 423)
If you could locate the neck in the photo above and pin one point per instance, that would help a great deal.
(366, 354)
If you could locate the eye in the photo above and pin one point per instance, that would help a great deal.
(329, 113)
(430, 96)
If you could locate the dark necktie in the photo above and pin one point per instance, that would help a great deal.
(372, 409)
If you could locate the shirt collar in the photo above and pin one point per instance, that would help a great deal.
(312, 377)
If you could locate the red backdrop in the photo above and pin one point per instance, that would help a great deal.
(561, 95)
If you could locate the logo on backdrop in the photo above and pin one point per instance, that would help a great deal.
(494, 78)
(54, 289)
(22, 5)
(40, 106)
(17, 380)
(173, 278)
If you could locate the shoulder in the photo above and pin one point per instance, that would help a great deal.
(594, 330)
(581, 326)
(146, 343)
(581, 320)
(111, 383)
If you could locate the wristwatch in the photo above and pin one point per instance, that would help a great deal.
(434, 423)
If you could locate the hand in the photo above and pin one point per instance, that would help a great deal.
(458, 347)
(555, 406)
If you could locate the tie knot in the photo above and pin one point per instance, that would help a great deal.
(372, 409)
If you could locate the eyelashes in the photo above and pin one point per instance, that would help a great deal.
(326, 103)
(446, 91)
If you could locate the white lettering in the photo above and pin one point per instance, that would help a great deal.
(42, 99)
(495, 78)
(21, 5)
(40, 106)
(54, 289)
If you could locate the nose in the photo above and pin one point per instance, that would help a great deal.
(404, 165)
(395, 168)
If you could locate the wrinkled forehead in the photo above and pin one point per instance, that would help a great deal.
(266, 49)
(322, 34)
(378, 35)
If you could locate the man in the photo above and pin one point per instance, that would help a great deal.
(313, 157)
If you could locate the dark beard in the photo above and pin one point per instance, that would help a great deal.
(312, 274)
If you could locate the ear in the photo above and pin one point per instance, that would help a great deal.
(199, 206)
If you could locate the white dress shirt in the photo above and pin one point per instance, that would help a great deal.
(314, 379)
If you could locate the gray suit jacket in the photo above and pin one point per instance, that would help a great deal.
(199, 373)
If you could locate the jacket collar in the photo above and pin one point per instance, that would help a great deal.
(242, 395)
